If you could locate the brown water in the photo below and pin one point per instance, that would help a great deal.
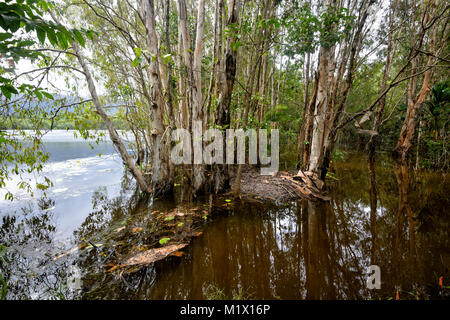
(395, 218)
(321, 250)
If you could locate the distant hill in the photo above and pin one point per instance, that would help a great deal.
(51, 106)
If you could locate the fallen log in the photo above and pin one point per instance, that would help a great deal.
(151, 255)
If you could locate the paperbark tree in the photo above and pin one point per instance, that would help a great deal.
(415, 100)
(114, 136)
(305, 114)
(225, 88)
(334, 81)
(162, 177)
(193, 67)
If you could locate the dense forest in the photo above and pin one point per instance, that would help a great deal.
(331, 77)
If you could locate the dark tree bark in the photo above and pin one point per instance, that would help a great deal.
(222, 116)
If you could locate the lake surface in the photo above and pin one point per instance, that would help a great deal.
(77, 170)
(381, 215)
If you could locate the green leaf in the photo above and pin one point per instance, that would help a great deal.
(62, 40)
(164, 240)
(51, 35)
(136, 62)
(5, 35)
(79, 37)
(41, 186)
(8, 90)
(3, 23)
(40, 34)
(138, 52)
(38, 94)
(48, 95)
(14, 24)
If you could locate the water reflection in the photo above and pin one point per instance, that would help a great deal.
(298, 252)
(380, 214)
(23, 255)
(322, 250)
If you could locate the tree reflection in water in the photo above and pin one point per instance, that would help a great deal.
(313, 250)
(28, 242)
(388, 216)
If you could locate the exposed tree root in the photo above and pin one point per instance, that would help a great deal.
(282, 187)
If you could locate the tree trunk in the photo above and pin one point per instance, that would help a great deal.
(328, 109)
(162, 177)
(197, 97)
(414, 103)
(193, 66)
(381, 104)
(222, 117)
(115, 138)
(320, 112)
(301, 136)
(309, 125)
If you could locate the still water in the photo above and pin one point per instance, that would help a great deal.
(381, 215)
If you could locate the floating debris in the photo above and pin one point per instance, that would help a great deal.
(152, 255)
